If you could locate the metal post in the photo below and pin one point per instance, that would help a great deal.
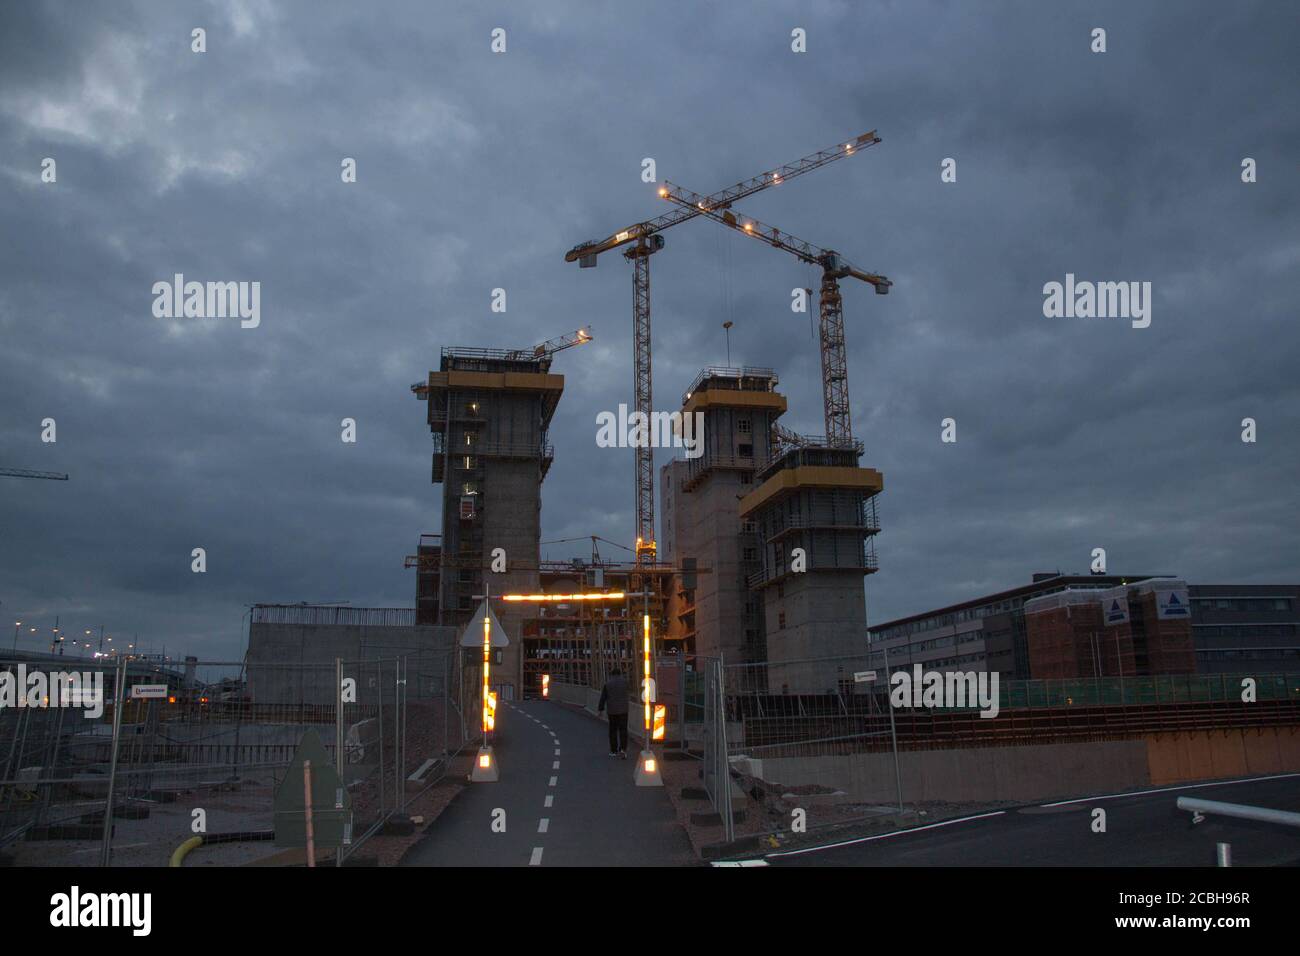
(397, 740)
(724, 771)
(1223, 854)
(306, 803)
(338, 739)
(893, 735)
(119, 677)
(1119, 667)
(379, 708)
(338, 716)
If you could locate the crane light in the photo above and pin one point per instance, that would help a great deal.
(663, 191)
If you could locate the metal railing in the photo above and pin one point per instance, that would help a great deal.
(310, 614)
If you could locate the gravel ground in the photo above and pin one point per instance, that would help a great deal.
(150, 842)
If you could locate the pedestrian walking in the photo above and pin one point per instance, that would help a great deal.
(613, 699)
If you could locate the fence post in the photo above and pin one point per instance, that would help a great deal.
(119, 690)
(338, 738)
(728, 825)
(893, 735)
(307, 820)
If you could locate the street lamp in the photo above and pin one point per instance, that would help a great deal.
(17, 624)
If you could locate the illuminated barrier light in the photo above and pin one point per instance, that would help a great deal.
(565, 598)
(546, 686)
(647, 767)
(645, 656)
(485, 768)
(661, 720)
(487, 666)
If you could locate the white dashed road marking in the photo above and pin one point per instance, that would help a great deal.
(550, 801)
(537, 857)
(543, 824)
(552, 783)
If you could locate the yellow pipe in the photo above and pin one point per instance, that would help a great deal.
(178, 855)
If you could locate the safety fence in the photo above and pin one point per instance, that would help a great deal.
(167, 753)
(810, 736)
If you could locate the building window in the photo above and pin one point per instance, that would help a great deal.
(743, 426)
(745, 451)
(471, 488)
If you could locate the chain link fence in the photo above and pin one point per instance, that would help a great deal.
(162, 750)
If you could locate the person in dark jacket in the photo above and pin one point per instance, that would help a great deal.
(613, 697)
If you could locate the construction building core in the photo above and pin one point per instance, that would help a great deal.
(784, 522)
(488, 411)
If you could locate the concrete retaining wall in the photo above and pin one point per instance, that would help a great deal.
(1039, 772)
(1173, 758)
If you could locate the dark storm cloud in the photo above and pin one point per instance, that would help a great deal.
(478, 171)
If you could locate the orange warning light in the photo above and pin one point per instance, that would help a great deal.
(485, 760)
(649, 764)
(661, 720)
(546, 685)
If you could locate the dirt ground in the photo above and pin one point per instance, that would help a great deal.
(249, 807)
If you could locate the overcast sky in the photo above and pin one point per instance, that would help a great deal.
(478, 170)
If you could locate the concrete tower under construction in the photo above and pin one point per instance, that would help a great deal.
(780, 527)
(489, 411)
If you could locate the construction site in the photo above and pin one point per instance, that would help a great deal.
(763, 535)
(736, 604)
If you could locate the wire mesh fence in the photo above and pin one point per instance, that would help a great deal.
(162, 752)
(818, 740)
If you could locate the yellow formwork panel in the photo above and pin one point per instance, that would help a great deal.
(789, 480)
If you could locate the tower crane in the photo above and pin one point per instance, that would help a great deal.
(645, 240)
(835, 374)
(24, 473)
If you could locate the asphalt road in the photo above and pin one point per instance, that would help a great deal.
(566, 802)
(1143, 829)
